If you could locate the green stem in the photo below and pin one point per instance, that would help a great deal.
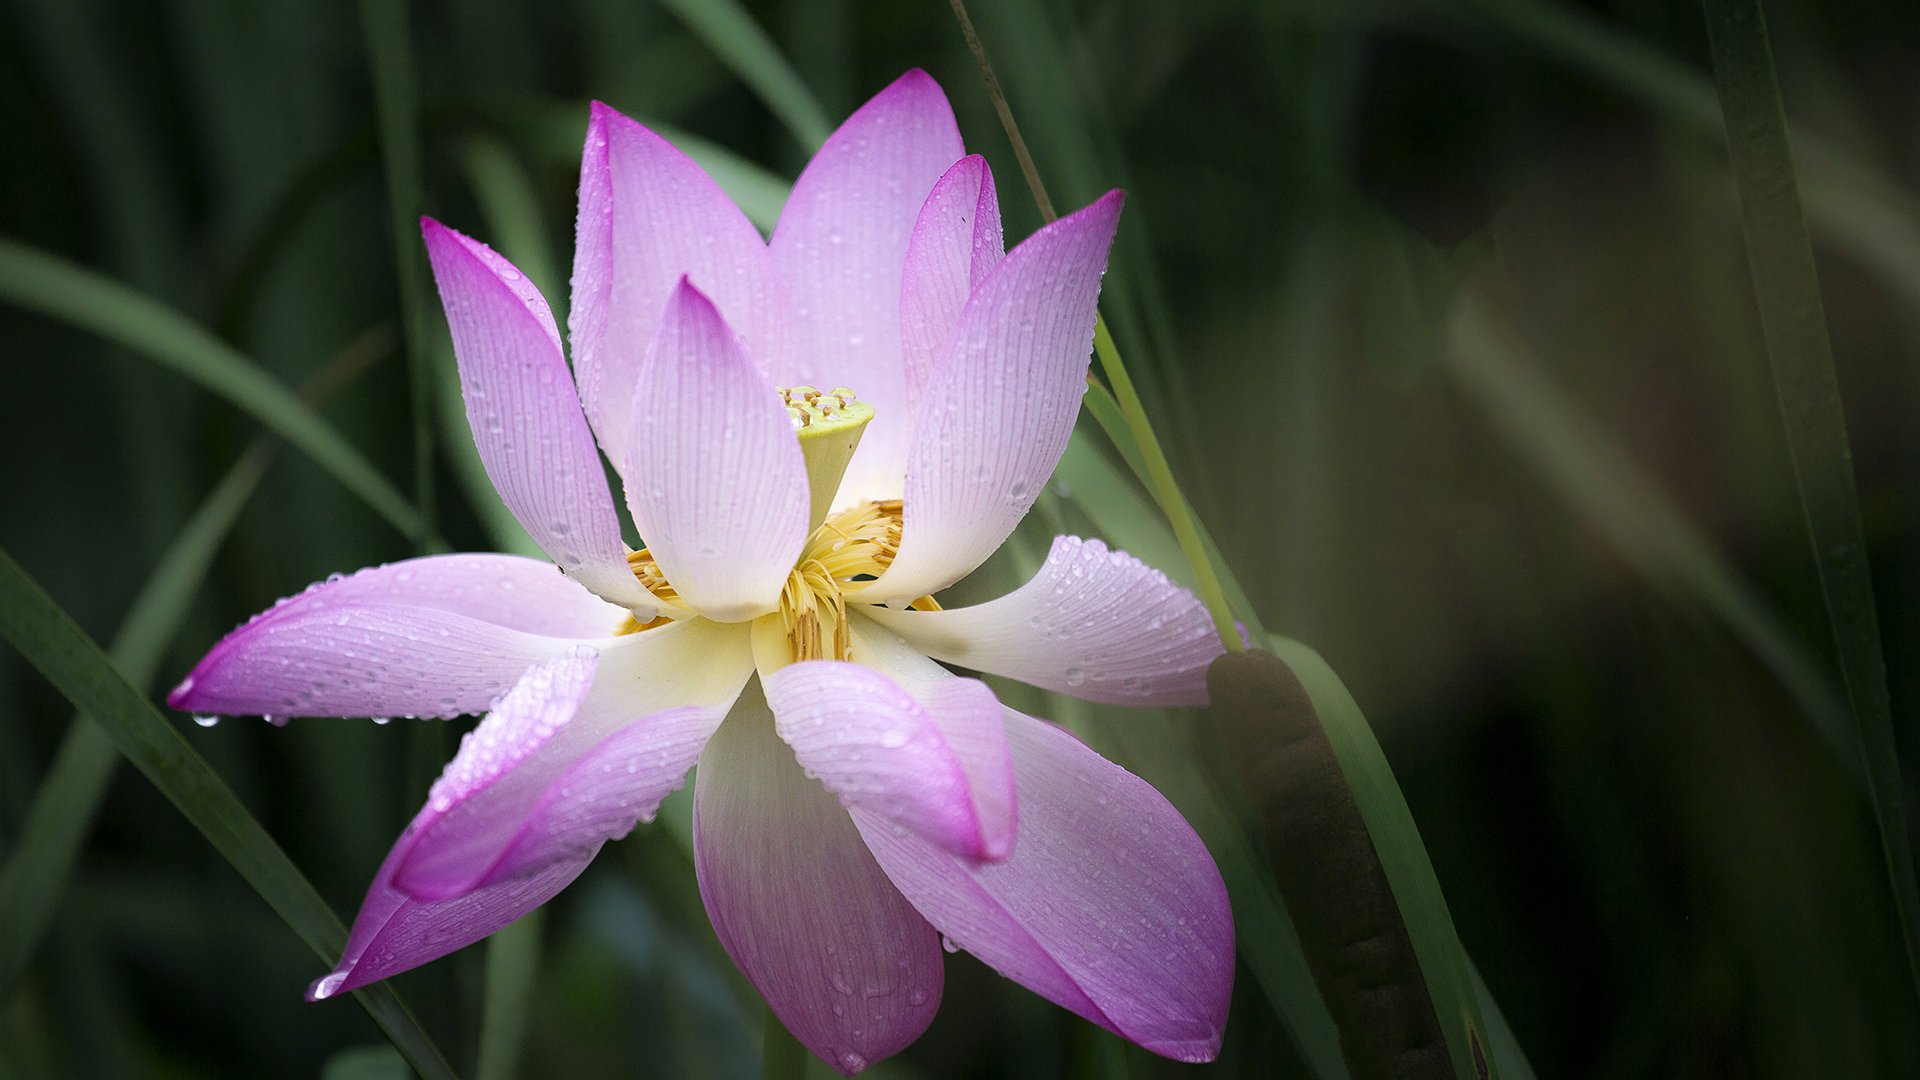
(1164, 488)
(1793, 323)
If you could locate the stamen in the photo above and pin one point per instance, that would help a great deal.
(852, 547)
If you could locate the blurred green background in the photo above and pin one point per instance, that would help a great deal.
(1444, 314)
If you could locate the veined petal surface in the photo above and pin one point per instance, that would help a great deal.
(1001, 403)
(443, 635)
(840, 246)
(648, 217)
(956, 242)
(1093, 623)
(526, 418)
(1109, 905)
(873, 745)
(839, 955)
(715, 478)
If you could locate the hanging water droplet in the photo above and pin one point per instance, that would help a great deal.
(947, 944)
(206, 721)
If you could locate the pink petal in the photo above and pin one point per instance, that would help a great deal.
(841, 958)
(1001, 403)
(525, 417)
(977, 737)
(1093, 623)
(873, 745)
(505, 801)
(535, 791)
(840, 246)
(393, 932)
(715, 479)
(648, 217)
(956, 241)
(438, 636)
(1109, 906)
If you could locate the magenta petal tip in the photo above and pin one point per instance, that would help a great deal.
(326, 986)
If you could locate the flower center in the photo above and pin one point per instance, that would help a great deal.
(855, 545)
(845, 550)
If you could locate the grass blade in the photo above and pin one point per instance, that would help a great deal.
(59, 289)
(61, 816)
(738, 41)
(1793, 323)
(62, 652)
(396, 103)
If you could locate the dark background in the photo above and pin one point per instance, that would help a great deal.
(1560, 563)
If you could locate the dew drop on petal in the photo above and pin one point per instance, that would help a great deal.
(1075, 676)
(947, 944)
(206, 721)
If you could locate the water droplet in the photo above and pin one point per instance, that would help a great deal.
(918, 997)
(326, 987)
(947, 944)
(206, 721)
(893, 740)
(1075, 676)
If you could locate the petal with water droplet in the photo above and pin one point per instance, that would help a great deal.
(1109, 906)
(435, 636)
(841, 958)
(715, 477)
(648, 217)
(1001, 403)
(526, 420)
(1093, 623)
(877, 746)
(956, 241)
(840, 247)
(529, 800)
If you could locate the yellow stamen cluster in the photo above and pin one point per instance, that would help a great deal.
(648, 572)
(849, 548)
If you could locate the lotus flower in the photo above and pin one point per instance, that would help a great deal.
(855, 800)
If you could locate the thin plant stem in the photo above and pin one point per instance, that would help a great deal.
(396, 104)
(1159, 474)
(1794, 326)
